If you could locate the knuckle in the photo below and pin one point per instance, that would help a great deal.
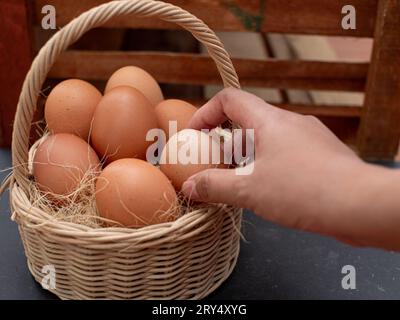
(226, 94)
(240, 188)
(203, 185)
(312, 119)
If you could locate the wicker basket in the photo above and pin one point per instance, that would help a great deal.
(185, 259)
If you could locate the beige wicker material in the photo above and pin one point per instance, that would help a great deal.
(185, 259)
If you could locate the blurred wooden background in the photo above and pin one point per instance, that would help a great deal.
(292, 53)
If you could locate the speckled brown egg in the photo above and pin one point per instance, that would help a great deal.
(61, 161)
(134, 193)
(120, 124)
(174, 110)
(139, 79)
(70, 107)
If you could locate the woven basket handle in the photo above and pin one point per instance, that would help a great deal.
(72, 32)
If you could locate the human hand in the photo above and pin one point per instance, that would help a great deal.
(304, 177)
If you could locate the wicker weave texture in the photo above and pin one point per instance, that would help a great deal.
(185, 259)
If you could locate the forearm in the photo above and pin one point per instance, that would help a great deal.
(369, 211)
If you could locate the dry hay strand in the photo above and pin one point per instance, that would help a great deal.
(78, 206)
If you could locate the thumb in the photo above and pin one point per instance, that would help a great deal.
(215, 186)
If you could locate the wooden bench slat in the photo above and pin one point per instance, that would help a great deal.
(294, 16)
(379, 134)
(334, 111)
(200, 69)
(337, 111)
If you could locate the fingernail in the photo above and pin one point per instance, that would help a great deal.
(189, 189)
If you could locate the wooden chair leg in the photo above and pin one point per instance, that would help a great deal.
(379, 132)
(15, 59)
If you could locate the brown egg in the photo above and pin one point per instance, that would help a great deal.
(139, 79)
(61, 161)
(120, 124)
(188, 152)
(174, 110)
(135, 194)
(70, 106)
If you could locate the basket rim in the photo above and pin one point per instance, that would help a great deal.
(189, 224)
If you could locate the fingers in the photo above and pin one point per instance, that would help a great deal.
(241, 107)
(215, 186)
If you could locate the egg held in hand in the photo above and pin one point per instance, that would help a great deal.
(120, 124)
(176, 110)
(70, 107)
(139, 79)
(134, 193)
(61, 161)
(189, 152)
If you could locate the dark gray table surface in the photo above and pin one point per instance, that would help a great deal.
(274, 263)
